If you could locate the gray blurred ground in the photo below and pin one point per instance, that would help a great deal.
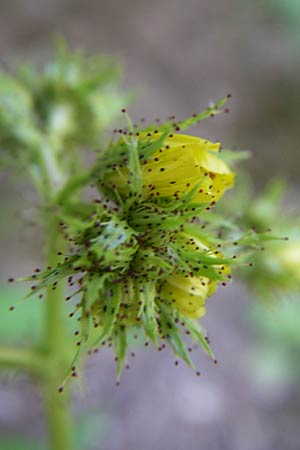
(179, 55)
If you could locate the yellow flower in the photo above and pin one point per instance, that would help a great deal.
(182, 163)
(188, 294)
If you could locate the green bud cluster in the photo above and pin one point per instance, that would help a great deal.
(140, 261)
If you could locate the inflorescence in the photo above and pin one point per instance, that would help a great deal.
(147, 253)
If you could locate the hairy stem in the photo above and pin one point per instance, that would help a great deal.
(56, 347)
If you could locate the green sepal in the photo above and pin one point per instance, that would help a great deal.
(134, 169)
(172, 334)
(85, 319)
(47, 277)
(203, 265)
(251, 238)
(108, 311)
(148, 311)
(196, 332)
(94, 285)
(120, 346)
(147, 148)
(154, 263)
(190, 121)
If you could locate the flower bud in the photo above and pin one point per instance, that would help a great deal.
(140, 258)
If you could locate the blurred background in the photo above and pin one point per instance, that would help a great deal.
(177, 56)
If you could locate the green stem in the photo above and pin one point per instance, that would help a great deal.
(47, 175)
(16, 358)
(72, 186)
(53, 171)
(57, 355)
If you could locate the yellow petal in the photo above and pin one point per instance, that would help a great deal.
(182, 163)
(187, 294)
(176, 168)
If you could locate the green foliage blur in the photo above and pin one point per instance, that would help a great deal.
(65, 107)
(274, 278)
(274, 272)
